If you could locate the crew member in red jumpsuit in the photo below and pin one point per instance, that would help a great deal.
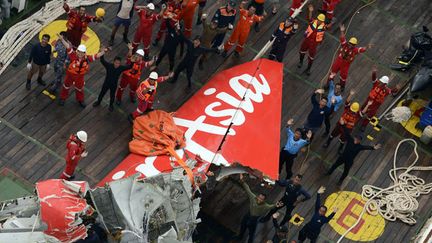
(173, 11)
(294, 5)
(146, 93)
(377, 95)
(78, 67)
(347, 52)
(314, 35)
(76, 150)
(188, 13)
(145, 28)
(349, 118)
(241, 30)
(131, 77)
(77, 24)
(328, 7)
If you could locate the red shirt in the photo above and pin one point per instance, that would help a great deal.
(75, 148)
(146, 22)
(346, 52)
(77, 22)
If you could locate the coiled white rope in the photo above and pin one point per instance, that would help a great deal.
(398, 201)
(21, 33)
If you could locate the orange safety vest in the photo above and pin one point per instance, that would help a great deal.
(145, 85)
(319, 29)
(135, 71)
(378, 93)
(286, 30)
(78, 67)
(350, 118)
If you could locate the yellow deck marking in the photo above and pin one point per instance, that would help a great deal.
(350, 205)
(89, 39)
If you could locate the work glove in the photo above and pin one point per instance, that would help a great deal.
(84, 154)
(29, 66)
(230, 26)
(48, 66)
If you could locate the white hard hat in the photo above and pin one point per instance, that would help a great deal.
(151, 6)
(82, 136)
(140, 52)
(82, 48)
(384, 79)
(154, 75)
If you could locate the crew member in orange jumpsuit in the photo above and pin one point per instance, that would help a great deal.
(188, 13)
(241, 30)
(347, 52)
(314, 35)
(146, 93)
(349, 118)
(259, 11)
(77, 24)
(76, 150)
(173, 10)
(78, 67)
(377, 95)
(145, 28)
(131, 77)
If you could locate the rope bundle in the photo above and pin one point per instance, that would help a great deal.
(398, 201)
(21, 33)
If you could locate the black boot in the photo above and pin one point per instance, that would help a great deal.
(341, 147)
(307, 71)
(82, 104)
(125, 38)
(327, 143)
(96, 103)
(236, 54)
(40, 81)
(155, 42)
(300, 64)
(256, 27)
(28, 84)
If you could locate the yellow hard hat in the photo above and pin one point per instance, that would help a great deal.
(353, 40)
(355, 107)
(100, 12)
(321, 17)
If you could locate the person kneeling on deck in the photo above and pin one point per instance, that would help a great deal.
(78, 67)
(352, 149)
(293, 145)
(257, 208)
(146, 92)
(76, 150)
(312, 229)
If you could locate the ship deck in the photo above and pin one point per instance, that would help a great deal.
(34, 129)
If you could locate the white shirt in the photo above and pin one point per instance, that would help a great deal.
(126, 7)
